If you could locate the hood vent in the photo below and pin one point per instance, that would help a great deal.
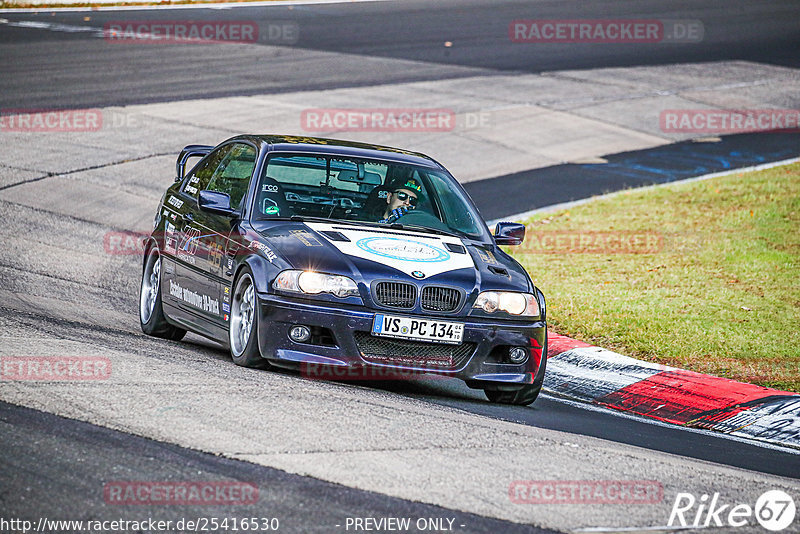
(335, 236)
(455, 248)
(499, 270)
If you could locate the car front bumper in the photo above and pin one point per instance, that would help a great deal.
(350, 352)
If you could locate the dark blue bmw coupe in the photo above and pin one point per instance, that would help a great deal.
(303, 252)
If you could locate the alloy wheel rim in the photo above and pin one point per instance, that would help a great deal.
(242, 315)
(150, 285)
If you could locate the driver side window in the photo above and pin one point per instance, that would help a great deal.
(201, 175)
(226, 170)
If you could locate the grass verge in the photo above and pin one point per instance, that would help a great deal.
(703, 276)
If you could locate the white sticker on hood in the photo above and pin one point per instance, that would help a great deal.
(401, 251)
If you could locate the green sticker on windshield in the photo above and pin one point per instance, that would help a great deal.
(272, 210)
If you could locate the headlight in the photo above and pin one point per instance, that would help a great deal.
(313, 283)
(523, 304)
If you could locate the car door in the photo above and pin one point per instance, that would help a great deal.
(232, 176)
(201, 236)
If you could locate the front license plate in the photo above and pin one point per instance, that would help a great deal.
(416, 328)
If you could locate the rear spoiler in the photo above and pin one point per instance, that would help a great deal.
(188, 152)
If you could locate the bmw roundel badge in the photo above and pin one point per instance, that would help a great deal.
(417, 274)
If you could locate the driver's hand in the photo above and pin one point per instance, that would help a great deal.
(402, 210)
(397, 213)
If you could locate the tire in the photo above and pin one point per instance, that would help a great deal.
(243, 323)
(521, 397)
(151, 312)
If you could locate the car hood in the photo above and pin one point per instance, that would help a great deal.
(416, 255)
(367, 253)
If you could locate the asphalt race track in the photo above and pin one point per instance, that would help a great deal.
(324, 453)
(345, 45)
(29, 438)
(501, 196)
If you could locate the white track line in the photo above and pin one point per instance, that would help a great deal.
(227, 5)
(55, 27)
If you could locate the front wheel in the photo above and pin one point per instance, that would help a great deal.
(151, 312)
(243, 323)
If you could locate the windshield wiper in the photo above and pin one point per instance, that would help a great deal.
(296, 218)
(393, 226)
(412, 227)
(304, 218)
(427, 229)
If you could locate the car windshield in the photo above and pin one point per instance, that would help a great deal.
(348, 189)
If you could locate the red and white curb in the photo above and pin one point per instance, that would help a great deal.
(599, 376)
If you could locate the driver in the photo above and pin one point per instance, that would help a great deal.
(403, 198)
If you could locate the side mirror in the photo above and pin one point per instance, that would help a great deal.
(508, 233)
(215, 202)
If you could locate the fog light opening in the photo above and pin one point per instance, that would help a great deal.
(299, 333)
(517, 355)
